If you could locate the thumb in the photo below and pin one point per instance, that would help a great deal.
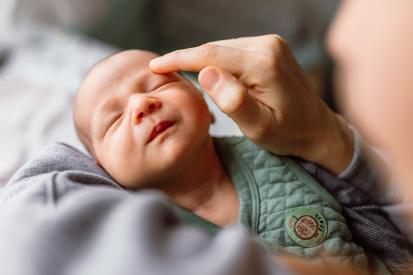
(232, 98)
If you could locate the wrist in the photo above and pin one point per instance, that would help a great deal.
(334, 148)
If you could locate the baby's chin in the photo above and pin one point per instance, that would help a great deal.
(164, 168)
(137, 176)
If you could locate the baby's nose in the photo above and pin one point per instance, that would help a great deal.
(147, 107)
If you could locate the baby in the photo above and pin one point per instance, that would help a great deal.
(150, 130)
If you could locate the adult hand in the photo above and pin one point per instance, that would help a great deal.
(257, 82)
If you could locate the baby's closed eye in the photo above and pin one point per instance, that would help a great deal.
(114, 120)
(158, 86)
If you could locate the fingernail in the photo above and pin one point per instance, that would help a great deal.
(209, 79)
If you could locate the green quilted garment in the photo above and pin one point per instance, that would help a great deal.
(285, 208)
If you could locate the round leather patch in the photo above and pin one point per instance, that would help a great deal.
(306, 226)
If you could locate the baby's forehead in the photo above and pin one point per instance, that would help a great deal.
(122, 63)
(119, 69)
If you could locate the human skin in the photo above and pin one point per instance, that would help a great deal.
(372, 42)
(117, 108)
(257, 82)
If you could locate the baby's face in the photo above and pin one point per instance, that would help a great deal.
(142, 128)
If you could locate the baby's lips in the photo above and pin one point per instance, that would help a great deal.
(159, 128)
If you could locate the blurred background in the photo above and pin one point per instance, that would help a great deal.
(47, 46)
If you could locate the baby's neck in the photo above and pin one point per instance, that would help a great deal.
(205, 189)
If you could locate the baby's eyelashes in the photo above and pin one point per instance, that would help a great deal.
(160, 85)
(113, 121)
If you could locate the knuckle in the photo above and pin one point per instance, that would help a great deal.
(275, 50)
(208, 50)
(274, 41)
(277, 47)
(271, 66)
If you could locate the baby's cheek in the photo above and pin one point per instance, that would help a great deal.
(123, 170)
(198, 105)
(115, 155)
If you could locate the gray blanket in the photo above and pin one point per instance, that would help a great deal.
(62, 214)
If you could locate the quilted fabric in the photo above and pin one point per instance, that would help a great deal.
(268, 187)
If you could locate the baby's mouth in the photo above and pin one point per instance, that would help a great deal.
(159, 128)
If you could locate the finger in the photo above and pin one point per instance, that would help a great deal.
(263, 43)
(195, 59)
(232, 98)
(241, 43)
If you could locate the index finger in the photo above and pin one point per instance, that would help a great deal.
(262, 43)
(197, 58)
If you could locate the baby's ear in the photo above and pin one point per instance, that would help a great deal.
(212, 117)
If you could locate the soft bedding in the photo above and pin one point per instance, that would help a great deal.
(62, 214)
